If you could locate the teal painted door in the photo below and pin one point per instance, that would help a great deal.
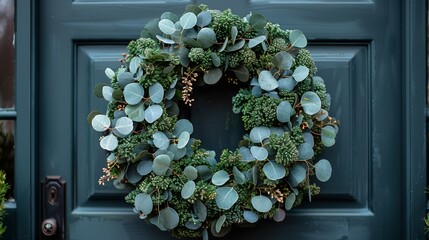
(356, 45)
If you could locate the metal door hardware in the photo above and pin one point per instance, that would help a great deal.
(53, 189)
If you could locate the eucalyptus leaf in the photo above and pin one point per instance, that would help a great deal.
(242, 73)
(193, 225)
(274, 171)
(260, 153)
(206, 37)
(257, 21)
(300, 73)
(297, 39)
(234, 33)
(135, 112)
(311, 103)
(144, 167)
(188, 20)
(183, 140)
(255, 41)
(224, 45)
(125, 78)
(323, 170)
(109, 142)
(178, 152)
(190, 42)
(124, 125)
(161, 164)
(246, 154)
(305, 151)
(100, 123)
(107, 93)
(188, 189)
(133, 93)
(204, 18)
(200, 210)
(205, 234)
(171, 16)
(152, 113)
(215, 59)
(280, 215)
(212, 76)
(156, 93)
(220, 178)
(223, 232)
(238, 176)
(290, 200)
(261, 203)
(237, 46)
(296, 175)
(267, 81)
(135, 64)
(328, 136)
(283, 60)
(226, 197)
(219, 223)
(167, 26)
(183, 57)
(165, 40)
(143, 202)
(259, 134)
(284, 111)
(160, 140)
(250, 216)
(183, 125)
(169, 218)
(132, 174)
(190, 172)
(287, 84)
(109, 73)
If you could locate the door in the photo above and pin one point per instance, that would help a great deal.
(357, 47)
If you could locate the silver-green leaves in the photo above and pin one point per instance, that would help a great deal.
(274, 171)
(226, 197)
(323, 170)
(188, 189)
(220, 178)
(261, 203)
(311, 103)
(328, 136)
(133, 93)
(297, 39)
(267, 81)
(161, 164)
(188, 20)
(100, 123)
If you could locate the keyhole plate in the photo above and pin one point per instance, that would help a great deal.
(52, 198)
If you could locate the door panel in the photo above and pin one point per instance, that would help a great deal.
(352, 45)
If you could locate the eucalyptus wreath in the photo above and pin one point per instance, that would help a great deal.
(176, 184)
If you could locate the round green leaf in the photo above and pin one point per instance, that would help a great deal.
(183, 140)
(125, 78)
(267, 81)
(109, 142)
(223, 232)
(221, 49)
(135, 64)
(144, 167)
(168, 218)
(242, 73)
(124, 125)
(183, 125)
(215, 59)
(238, 176)
(135, 112)
(188, 20)
(133, 93)
(257, 40)
(300, 73)
(132, 175)
(237, 46)
(206, 37)
(257, 21)
(287, 84)
(156, 93)
(152, 113)
(234, 33)
(165, 40)
(161, 164)
(161, 140)
(290, 200)
(284, 111)
(193, 225)
(296, 175)
(259, 134)
(171, 16)
(260, 153)
(200, 210)
(305, 151)
(167, 26)
(107, 93)
(190, 173)
(226, 197)
(280, 215)
(274, 171)
(219, 223)
(109, 73)
(323, 170)
(328, 136)
(261, 203)
(220, 178)
(212, 76)
(100, 123)
(311, 103)
(205, 234)
(250, 216)
(178, 152)
(283, 60)
(143, 202)
(204, 18)
(297, 39)
(246, 154)
(188, 189)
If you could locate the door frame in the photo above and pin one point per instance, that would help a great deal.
(413, 129)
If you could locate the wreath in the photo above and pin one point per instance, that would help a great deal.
(175, 183)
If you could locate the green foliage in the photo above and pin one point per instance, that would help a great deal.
(177, 185)
(4, 187)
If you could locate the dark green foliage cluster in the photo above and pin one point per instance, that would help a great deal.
(201, 57)
(170, 175)
(4, 187)
(285, 147)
